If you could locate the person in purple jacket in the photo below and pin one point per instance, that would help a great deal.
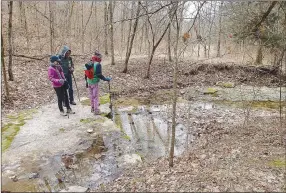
(57, 78)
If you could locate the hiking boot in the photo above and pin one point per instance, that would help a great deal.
(92, 109)
(63, 113)
(69, 111)
(72, 103)
(96, 112)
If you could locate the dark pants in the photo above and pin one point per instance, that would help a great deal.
(62, 95)
(69, 79)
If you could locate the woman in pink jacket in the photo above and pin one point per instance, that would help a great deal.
(58, 80)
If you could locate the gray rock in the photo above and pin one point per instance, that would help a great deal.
(14, 178)
(129, 159)
(90, 130)
(75, 189)
(34, 175)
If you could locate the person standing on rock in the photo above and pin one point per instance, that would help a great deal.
(57, 78)
(68, 69)
(94, 74)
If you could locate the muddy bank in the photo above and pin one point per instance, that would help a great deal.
(227, 156)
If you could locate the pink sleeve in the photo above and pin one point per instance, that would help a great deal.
(51, 75)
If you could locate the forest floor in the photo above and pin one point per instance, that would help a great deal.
(31, 87)
(227, 157)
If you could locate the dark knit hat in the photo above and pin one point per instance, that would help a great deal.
(54, 58)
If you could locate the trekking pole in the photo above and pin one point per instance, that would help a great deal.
(76, 88)
(109, 95)
(110, 115)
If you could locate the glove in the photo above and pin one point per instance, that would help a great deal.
(71, 70)
(61, 81)
(108, 79)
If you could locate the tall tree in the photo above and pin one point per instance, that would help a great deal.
(82, 27)
(105, 28)
(123, 17)
(10, 72)
(4, 69)
(154, 43)
(211, 26)
(51, 28)
(24, 21)
(169, 45)
(111, 31)
(128, 53)
(130, 27)
(175, 74)
(219, 33)
(70, 14)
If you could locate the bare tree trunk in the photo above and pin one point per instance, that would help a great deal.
(210, 29)
(122, 27)
(69, 18)
(199, 31)
(105, 29)
(153, 51)
(259, 55)
(205, 49)
(132, 38)
(111, 31)
(98, 41)
(219, 33)
(11, 77)
(24, 21)
(175, 73)
(141, 39)
(154, 47)
(130, 28)
(82, 28)
(38, 30)
(51, 28)
(169, 45)
(150, 62)
(4, 69)
(20, 10)
(86, 24)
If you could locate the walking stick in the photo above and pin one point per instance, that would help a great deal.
(110, 115)
(109, 95)
(76, 88)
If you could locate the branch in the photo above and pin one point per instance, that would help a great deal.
(88, 18)
(41, 13)
(151, 13)
(151, 27)
(264, 16)
(196, 16)
(158, 42)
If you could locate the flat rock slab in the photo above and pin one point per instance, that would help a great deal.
(48, 133)
(129, 159)
(75, 189)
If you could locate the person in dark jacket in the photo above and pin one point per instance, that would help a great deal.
(68, 69)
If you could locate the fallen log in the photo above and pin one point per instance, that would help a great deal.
(30, 57)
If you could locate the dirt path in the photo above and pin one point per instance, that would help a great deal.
(43, 139)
